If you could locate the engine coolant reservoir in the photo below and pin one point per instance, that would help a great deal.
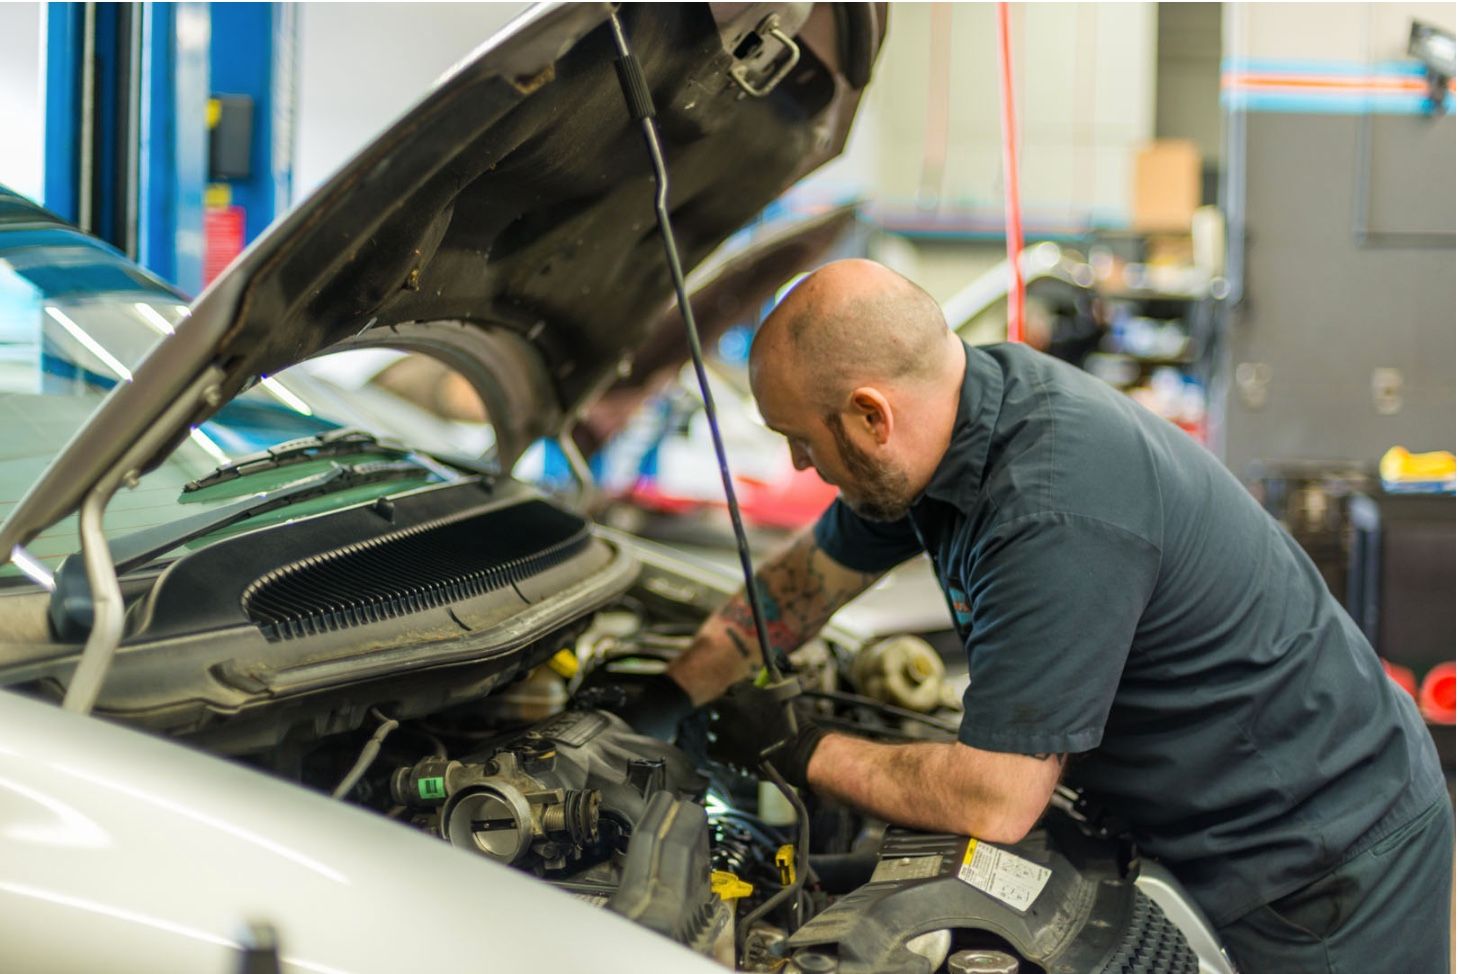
(904, 671)
(540, 695)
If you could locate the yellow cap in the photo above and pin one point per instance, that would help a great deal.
(563, 663)
(728, 886)
(785, 859)
(1399, 465)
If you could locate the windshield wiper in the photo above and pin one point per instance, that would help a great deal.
(71, 600)
(331, 444)
(340, 442)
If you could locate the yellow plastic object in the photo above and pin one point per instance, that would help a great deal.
(563, 663)
(729, 887)
(785, 859)
(1400, 466)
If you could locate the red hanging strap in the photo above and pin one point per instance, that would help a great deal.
(1011, 208)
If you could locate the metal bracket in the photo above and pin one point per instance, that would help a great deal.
(108, 610)
(587, 486)
(259, 950)
(740, 72)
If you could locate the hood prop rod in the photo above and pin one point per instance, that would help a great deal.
(640, 106)
(109, 612)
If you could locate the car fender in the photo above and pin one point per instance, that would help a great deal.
(124, 852)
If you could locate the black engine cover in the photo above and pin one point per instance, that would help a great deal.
(1027, 897)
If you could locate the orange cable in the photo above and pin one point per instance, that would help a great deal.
(1012, 208)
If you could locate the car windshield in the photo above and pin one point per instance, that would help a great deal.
(75, 320)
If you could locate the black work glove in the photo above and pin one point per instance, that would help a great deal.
(651, 703)
(748, 725)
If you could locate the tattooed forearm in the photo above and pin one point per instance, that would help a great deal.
(740, 644)
(739, 621)
(799, 589)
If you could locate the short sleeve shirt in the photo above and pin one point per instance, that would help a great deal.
(1124, 600)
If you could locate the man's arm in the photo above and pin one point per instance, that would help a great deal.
(799, 589)
(938, 787)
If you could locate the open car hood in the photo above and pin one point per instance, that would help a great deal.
(725, 291)
(504, 224)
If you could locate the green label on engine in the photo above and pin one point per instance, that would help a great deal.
(432, 788)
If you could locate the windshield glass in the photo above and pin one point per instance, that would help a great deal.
(75, 320)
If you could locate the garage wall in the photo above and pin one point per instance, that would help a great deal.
(1187, 100)
(1367, 32)
(926, 149)
(1085, 82)
(361, 65)
(1342, 344)
(22, 111)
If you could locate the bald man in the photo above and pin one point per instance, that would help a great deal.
(1132, 619)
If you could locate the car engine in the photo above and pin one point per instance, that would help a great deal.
(421, 659)
(697, 851)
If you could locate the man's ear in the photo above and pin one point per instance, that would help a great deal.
(872, 411)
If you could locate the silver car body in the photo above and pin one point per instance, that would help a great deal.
(123, 852)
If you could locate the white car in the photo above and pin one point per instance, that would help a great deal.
(282, 695)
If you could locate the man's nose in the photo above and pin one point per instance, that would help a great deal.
(799, 458)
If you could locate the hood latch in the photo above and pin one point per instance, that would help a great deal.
(764, 58)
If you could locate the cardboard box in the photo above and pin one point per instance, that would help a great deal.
(1166, 186)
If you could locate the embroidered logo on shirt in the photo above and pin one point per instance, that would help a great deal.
(960, 608)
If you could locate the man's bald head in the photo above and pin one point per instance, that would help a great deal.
(851, 323)
(856, 367)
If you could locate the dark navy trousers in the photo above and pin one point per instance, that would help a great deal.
(1387, 909)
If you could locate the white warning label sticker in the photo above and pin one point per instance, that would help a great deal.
(1002, 875)
(906, 867)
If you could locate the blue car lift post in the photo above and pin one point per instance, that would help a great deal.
(253, 55)
(126, 145)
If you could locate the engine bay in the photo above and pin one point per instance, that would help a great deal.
(422, 660)
(716, 858)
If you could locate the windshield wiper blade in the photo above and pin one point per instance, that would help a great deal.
(331, 444)
(340, 442)
(70, 607)
(136, 549)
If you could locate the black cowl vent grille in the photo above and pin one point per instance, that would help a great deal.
(1152, 944)
(423, 567)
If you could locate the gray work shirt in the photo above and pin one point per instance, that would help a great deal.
(1124, 600)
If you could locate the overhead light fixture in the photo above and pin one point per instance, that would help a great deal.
(208, 446)
(153, 318)
(286, 397)
(92, 345)
(33, 568)
(1434, 47)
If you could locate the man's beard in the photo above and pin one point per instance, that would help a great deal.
(881, 492)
